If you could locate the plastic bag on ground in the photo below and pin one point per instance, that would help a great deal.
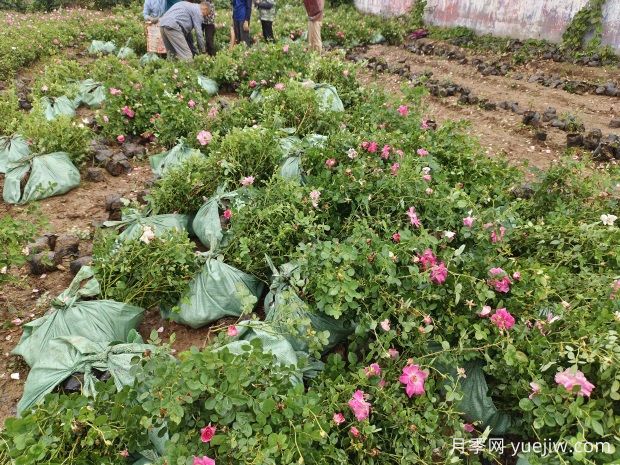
(65, 356)
(216, 292)
(91, 93)
(148, 58)
(292, 148)
(96, 320)
(134, 223)
(208, 84)
(272, 342)
(476, 404)
(48, 175)
(328, 98)
(285, 312)
(12, 148)
(207, 225)
(164, 161)
(126, 52)
(99, 46)
(60, 106)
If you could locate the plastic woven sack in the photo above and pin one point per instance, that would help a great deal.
(97, 320)
(207, 225)
(126, 52)
(328, 98)
(285, 312)
(134, 223)
(49, 175)
(90, 93)
(60, 106)
(149, 58)
(66, 356)
(12, 148)
(476, 404)
(208, 84)
(216, 292)
(272, 342)
(100, 47)
(164, 161)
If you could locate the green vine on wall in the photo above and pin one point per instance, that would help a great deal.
(588, 20)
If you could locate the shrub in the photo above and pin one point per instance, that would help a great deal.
(144, 273)
(15, 233)
(282, 216)
(60, 135)
(184, 188)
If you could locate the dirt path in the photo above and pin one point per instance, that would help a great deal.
(502, 131)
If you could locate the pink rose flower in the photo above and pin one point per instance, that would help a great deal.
(354, 431)
(128, 112)
(570, 378)
(486, 311)
(385, 152)
(314, 197)
(247, 181)
(228, 214)
(372, 147)
(394, 168)
(439, 273)
(285, 48)
(385, 325)
(516, 276)
(359, 406)
(330, 163)
(373, 370)
(427, 320)
(403, 110)
(393, 353)
(207, 433)
(413, 378)
(204, 460)
(468, 427)
(413, 217)
(396, 237)
(503, 319)
(124, 453)
(468, 221)
(279, 86)
(252, 84)
(338, 418)
(422, 152)
(204, 137)
(120, 138)
(427, 259)
(495, 238)
(114, 91)
(191, 104)
(427, 177)
(232, 331)
(535, 389)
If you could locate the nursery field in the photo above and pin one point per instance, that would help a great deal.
(405, 250)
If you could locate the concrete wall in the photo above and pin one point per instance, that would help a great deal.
(522, 19)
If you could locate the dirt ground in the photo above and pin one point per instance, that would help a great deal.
(499, 132)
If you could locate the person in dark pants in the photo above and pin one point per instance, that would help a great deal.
(242, 10)
(267, 12)
(208, 29)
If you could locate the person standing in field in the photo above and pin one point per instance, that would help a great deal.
(208, 29)
(314, 8)
(267, 12)
(176, 27)
(242, 10)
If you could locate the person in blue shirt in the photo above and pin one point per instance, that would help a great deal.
(153, 10)
(242, 9)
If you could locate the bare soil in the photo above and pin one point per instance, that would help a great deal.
(500, 131)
